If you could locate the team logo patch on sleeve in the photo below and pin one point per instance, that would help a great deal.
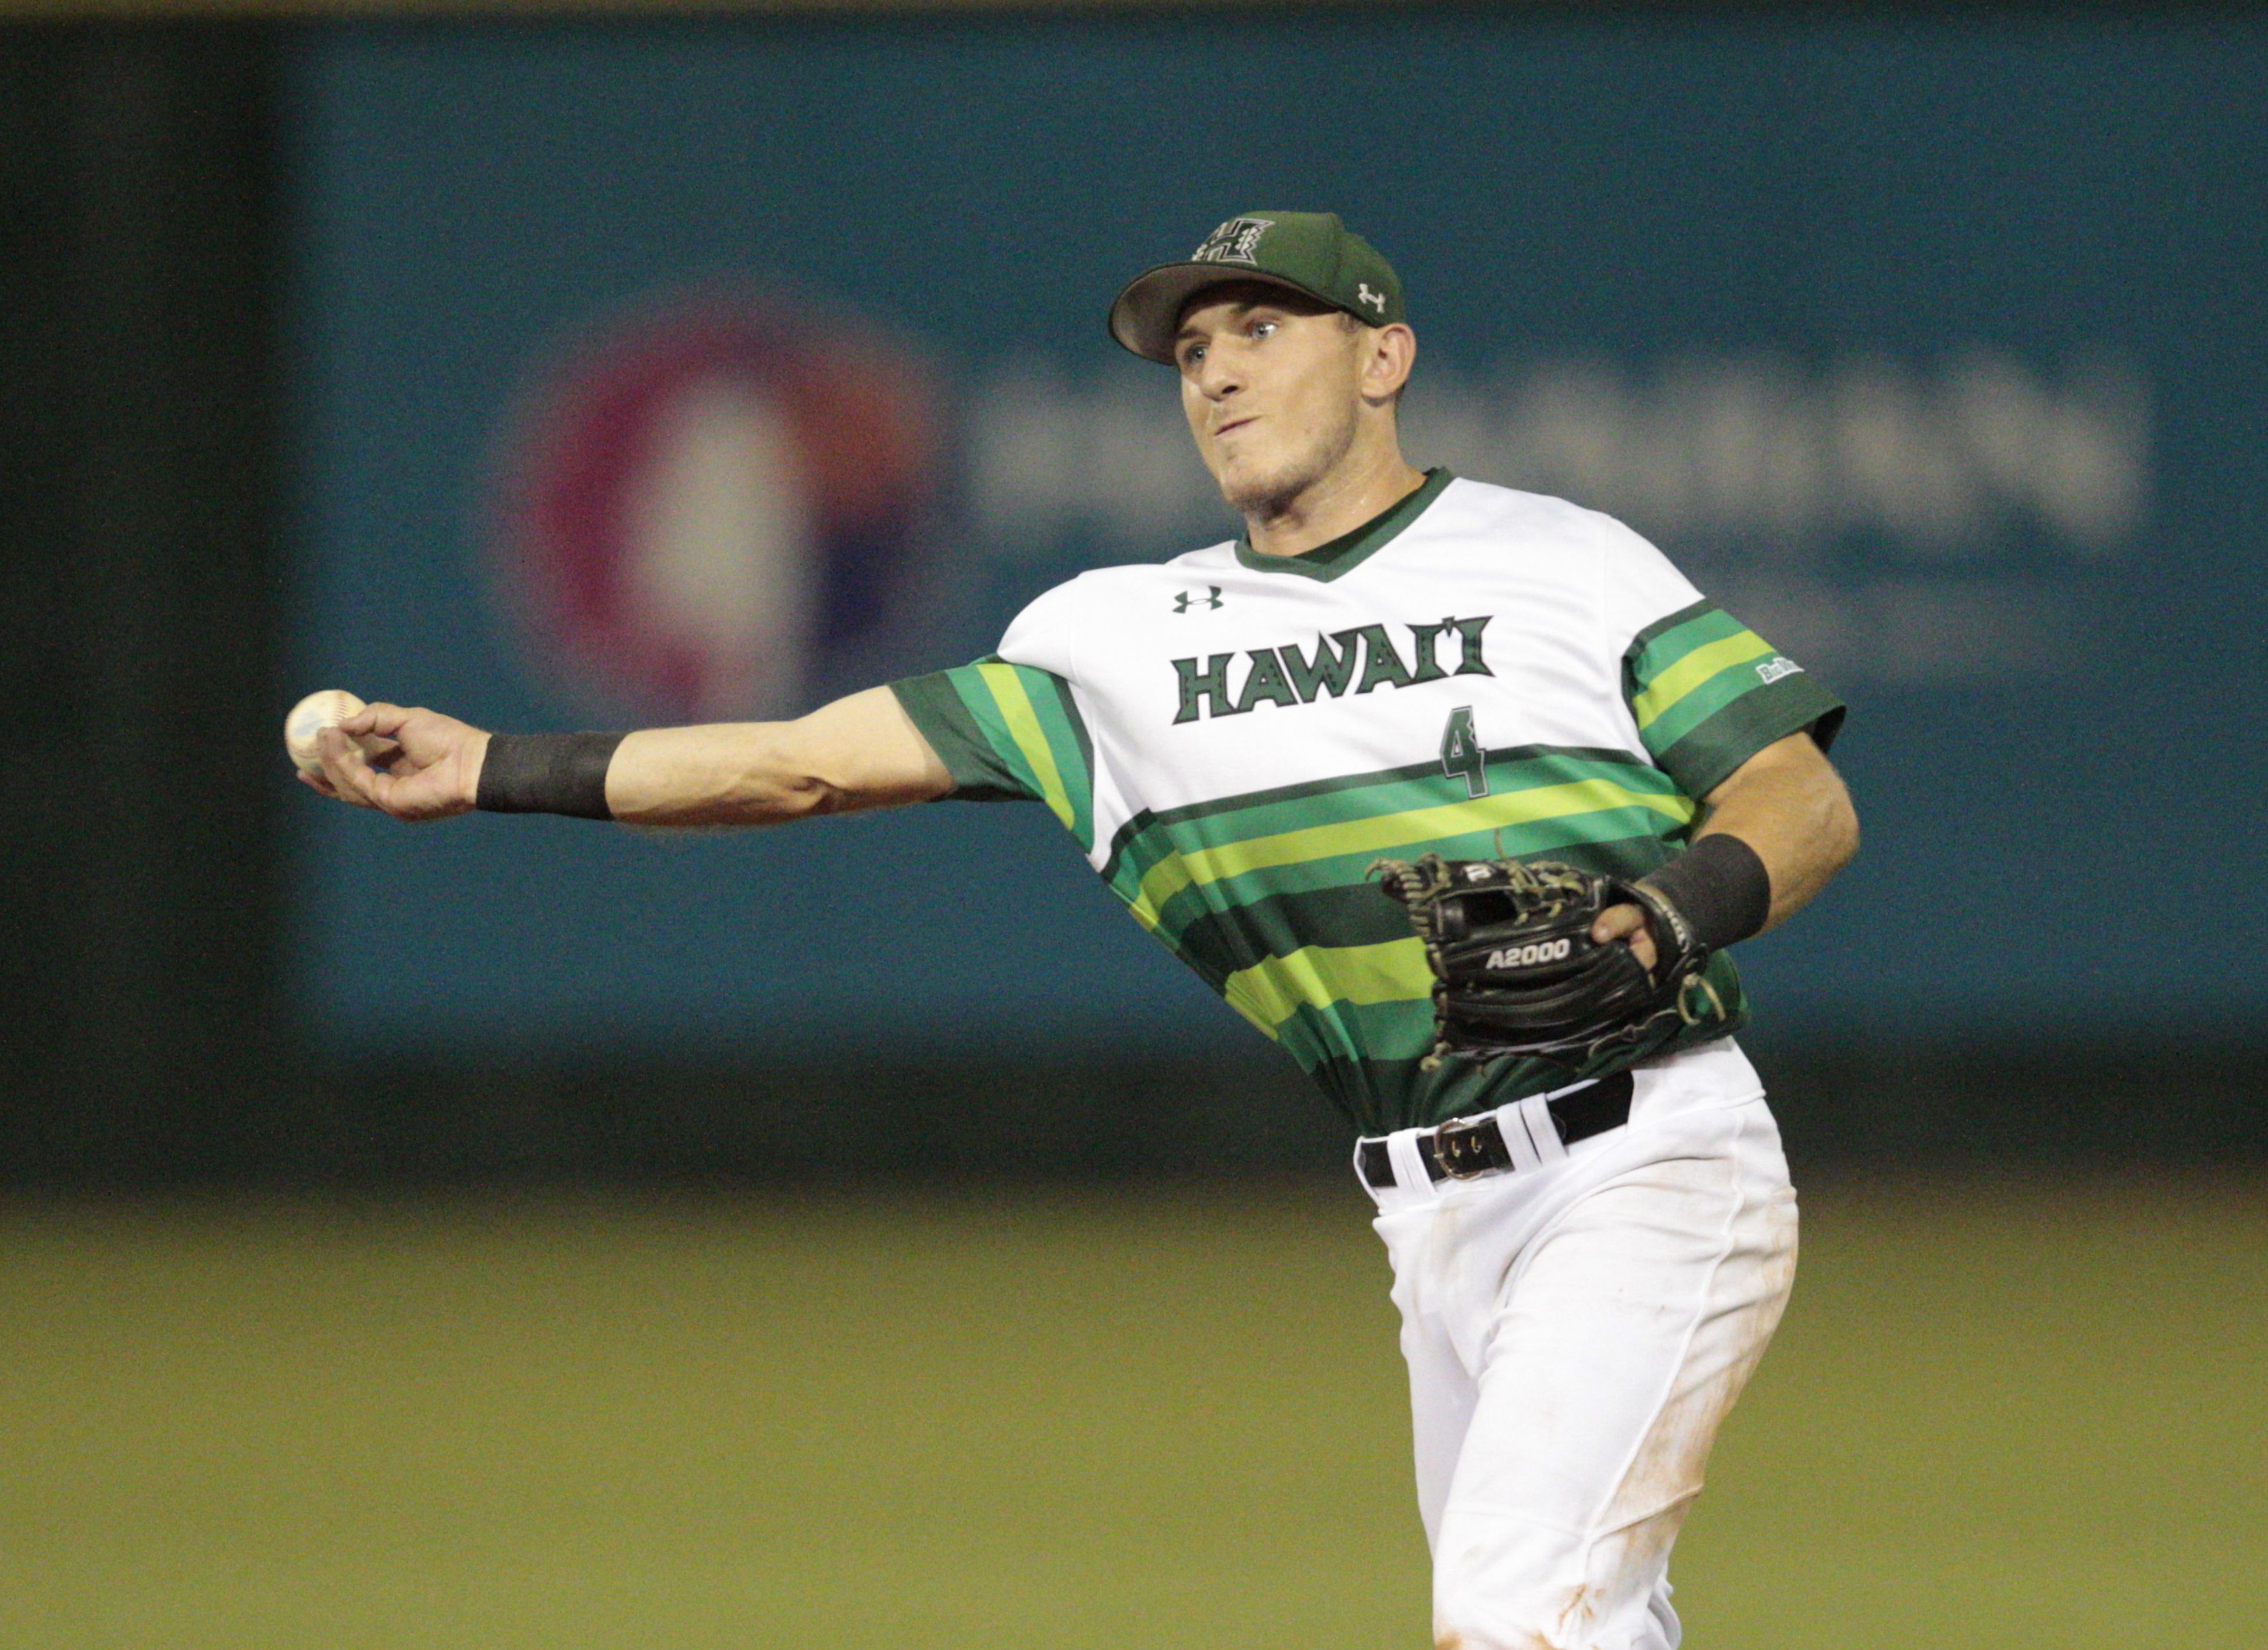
(1777, 666)
(1236, 241)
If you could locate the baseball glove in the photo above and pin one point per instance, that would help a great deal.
(1516, 972)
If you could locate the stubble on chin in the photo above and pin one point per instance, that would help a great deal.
(1266, 496)
(1265, 493)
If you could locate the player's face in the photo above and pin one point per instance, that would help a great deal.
(1272, 385)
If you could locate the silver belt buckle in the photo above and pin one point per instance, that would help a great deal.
(1461, 1150)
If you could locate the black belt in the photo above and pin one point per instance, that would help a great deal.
(1472, 1147)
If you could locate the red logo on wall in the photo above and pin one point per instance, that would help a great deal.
(707, 498)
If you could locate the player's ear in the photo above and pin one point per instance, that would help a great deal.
(1388, 353)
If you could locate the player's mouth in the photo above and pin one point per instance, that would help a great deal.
(1234, 424)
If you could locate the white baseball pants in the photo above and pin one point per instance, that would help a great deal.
(1576, 1332)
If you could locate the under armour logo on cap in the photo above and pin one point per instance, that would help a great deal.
(1188, 598)
(1236, 241)
(1377, 300)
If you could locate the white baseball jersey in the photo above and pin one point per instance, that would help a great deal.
(1234, 738)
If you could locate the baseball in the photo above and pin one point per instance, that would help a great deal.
(309, 717)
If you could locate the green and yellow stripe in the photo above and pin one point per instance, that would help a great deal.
(1269, 896)
(1689, 672)
(1273, 990)
(1462, 826)
(1701, 704)
(1008, 701)
(1026, 719)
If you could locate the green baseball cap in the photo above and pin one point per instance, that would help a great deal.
(1309, 252)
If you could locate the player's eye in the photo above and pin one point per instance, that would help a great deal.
(1192, 353)
(1260, 328)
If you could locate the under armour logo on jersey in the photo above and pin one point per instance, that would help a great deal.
(1376, 301)
(1236, 241)
(1188, 598)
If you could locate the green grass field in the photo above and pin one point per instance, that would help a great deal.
(2015, 1417)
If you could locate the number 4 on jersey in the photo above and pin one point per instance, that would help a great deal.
(1462, 752)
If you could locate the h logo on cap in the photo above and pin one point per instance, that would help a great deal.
(1376, 301)
(1236, 241)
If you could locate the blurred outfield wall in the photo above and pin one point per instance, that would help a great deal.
(1935, 348)
(633, 372)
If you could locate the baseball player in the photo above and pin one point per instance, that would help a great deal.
(1588, 781)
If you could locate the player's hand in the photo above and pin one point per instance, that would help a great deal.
(1628, 923)
(429, 768)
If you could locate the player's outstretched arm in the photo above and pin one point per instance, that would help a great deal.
(861, 752)
(858, 753)
(1791, 808)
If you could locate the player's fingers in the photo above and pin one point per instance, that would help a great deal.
(1627, 923)
(382, 787)
(381, 718)
(345, 767)
(1618, 922)
(315, 782)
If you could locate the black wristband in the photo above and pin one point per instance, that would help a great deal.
(1721, 886)
(546, 773)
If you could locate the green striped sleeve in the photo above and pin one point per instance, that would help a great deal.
(1708, 693)
(1007, 734)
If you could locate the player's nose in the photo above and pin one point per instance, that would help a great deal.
(1218, 376)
